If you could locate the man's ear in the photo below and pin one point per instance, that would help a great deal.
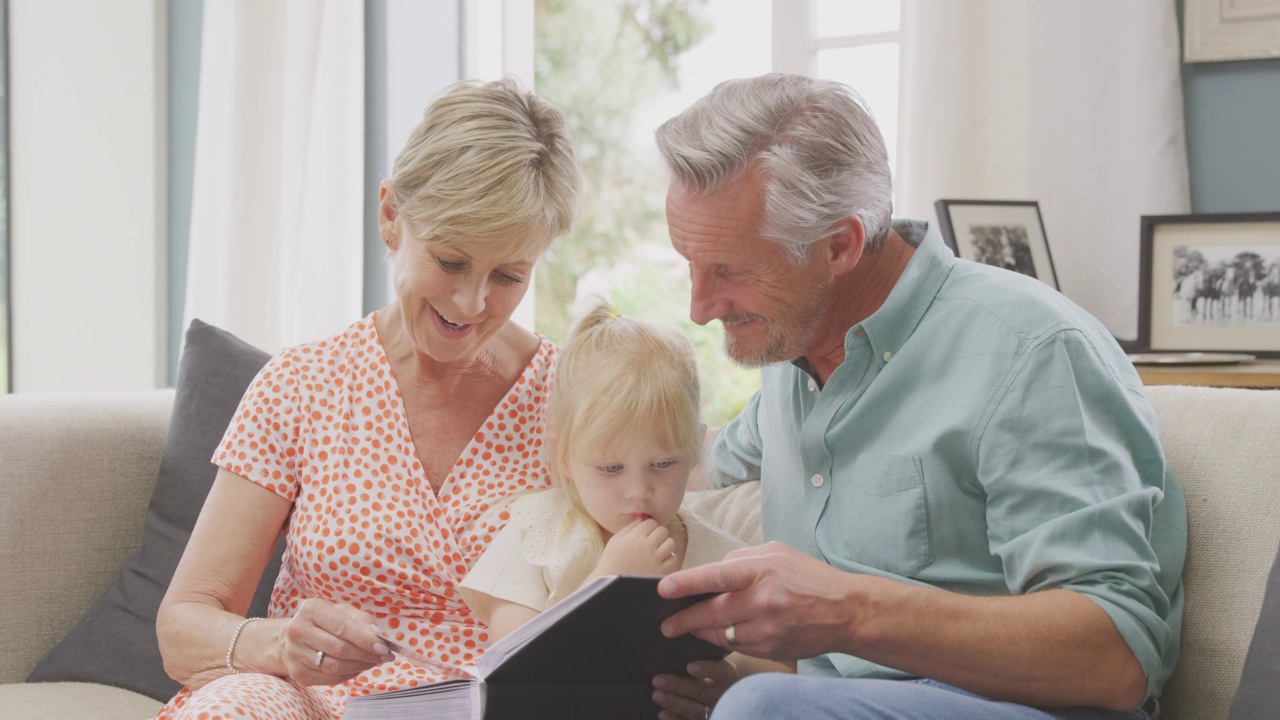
(387, 215)
(843, 249)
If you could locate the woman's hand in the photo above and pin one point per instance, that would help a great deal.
(642, 548)
(326, 644)
(692, 696)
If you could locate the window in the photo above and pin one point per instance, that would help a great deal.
(856, 42)
(618, 69)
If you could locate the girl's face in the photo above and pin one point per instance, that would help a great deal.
(453, 299)
(629, 479)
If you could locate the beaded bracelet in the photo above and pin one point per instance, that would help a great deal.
(232, 647)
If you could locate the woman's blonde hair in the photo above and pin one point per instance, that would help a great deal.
(490, 162)
(618, 376)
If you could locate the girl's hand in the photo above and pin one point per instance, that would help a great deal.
(342, 633)
(642, 548)
(692, 696)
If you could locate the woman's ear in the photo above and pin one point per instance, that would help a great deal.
(387, 215)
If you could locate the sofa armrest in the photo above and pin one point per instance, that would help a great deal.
(1221, 443)
(76, 472)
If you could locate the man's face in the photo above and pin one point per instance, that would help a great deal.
(772, 310)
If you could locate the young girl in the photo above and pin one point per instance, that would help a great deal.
(624, 434)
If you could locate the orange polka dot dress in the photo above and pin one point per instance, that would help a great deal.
(323, 426)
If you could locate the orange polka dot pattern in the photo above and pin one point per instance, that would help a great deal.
(323, 425)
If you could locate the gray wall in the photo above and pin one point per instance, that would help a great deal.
(1233, 134)
(413, 50)
(185, 18)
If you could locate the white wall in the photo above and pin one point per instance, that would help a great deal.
(88, 157)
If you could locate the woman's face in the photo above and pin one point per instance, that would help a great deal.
(454, 298)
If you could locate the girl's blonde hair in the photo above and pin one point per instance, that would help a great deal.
(618, 376)
(489, 162)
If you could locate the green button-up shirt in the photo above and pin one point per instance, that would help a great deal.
(983, 435)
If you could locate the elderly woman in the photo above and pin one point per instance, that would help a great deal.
(378, 451)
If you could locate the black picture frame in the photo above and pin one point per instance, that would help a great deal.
(1188, 266)
(1002, 233)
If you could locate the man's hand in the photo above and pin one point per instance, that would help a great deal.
(692, 696)
(781, 603)
(1053, 648)
(642, 548)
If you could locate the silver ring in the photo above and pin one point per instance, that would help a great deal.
(731, 635)
(706, 712)
(319, 658)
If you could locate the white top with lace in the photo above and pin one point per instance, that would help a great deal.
(542, 547)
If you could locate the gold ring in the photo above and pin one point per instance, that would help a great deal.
(731, 635)
(319, 658)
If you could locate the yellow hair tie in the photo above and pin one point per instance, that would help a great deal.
(613, 313)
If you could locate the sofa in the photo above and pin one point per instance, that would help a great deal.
(78, 472)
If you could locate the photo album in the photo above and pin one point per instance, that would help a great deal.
(591, 655)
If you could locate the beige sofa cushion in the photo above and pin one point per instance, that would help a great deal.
(115, 641)
(1224, 446)
(77, 469)
(42, 701)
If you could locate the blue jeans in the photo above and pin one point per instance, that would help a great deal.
(775, 696)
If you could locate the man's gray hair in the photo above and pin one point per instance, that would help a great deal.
(820, 151)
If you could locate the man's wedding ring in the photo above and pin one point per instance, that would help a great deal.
(319, 658)
(731, 635)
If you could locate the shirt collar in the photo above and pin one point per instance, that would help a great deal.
(892, 324)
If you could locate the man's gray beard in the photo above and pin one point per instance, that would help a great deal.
(781, 345)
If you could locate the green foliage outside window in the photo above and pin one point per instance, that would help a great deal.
(600, 61)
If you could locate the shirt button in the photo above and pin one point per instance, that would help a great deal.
(816, 480)
(888, 356)
(813, 385)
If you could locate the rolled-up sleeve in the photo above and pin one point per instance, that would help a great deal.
(1079, 495)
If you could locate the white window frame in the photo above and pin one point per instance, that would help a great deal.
(796, 44)
(795, 49)
(497, 39)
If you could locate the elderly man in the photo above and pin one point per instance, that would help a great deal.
(970, 511)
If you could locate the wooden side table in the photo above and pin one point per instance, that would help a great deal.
(1256, 374)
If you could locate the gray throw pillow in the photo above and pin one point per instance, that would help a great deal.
(1258, 695)
(115, 642)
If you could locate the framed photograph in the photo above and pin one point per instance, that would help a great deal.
(1004, 233)
(1218, 30)
(1210, 283)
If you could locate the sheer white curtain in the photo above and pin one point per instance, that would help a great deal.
(1075, 104)
(276, 218)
